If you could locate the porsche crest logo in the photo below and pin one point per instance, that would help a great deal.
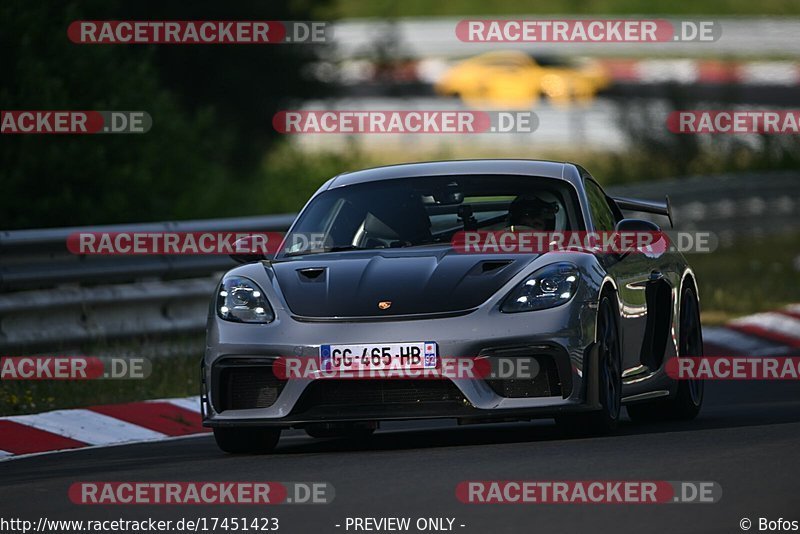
(385, 304)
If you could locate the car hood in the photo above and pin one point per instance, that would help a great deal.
(352, 284)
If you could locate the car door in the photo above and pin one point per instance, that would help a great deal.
(631, 272)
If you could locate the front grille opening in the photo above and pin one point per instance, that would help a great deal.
(361, 393)
(248, 387)
(545, 383)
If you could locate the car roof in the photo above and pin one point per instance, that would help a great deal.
(490, 167)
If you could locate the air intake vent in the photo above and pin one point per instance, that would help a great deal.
(491, 266)
(247, 388)
(312, 274)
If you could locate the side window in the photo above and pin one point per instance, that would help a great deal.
(602, 216)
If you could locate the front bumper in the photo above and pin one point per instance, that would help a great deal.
(560, 338)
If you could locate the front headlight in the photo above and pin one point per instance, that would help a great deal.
(241, 300)
(548, 287)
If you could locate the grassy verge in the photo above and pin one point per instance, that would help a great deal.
(172, 376)
(753, 275)
(288, 175)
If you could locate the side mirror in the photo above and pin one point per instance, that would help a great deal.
(636, 225)
(248, 249)
(639, 235)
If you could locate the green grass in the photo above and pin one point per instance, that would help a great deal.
(172, 376)
(423, 8)
(288, 176)
(753, 275)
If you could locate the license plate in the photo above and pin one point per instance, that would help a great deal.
(404, 356)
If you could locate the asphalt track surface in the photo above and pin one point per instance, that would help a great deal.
(746, 439)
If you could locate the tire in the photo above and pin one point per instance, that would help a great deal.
(247, 440)
(688, 399)
(339, 431)
(609, 360)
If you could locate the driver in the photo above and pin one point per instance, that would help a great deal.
(530, 212)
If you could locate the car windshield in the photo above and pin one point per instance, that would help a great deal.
(414, 212)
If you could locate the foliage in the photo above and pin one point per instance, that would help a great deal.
(211, 108)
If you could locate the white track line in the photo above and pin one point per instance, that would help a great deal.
(739, 341)
(188, 403)
(87, 426)
(12, 457)
(773, 322)
(90, 447)
(794, 308)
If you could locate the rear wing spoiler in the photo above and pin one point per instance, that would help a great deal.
(647, 206)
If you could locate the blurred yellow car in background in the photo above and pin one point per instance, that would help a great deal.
(513, 79)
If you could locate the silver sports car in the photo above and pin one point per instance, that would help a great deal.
(372, 276)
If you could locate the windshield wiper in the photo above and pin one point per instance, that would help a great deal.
(343, 247)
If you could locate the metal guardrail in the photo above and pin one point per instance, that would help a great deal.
(66, 317)
(54, 300)
(35, 259)
(731, 206)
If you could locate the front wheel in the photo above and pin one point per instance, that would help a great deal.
(609, 378)
(688, 399)
(247, 440)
